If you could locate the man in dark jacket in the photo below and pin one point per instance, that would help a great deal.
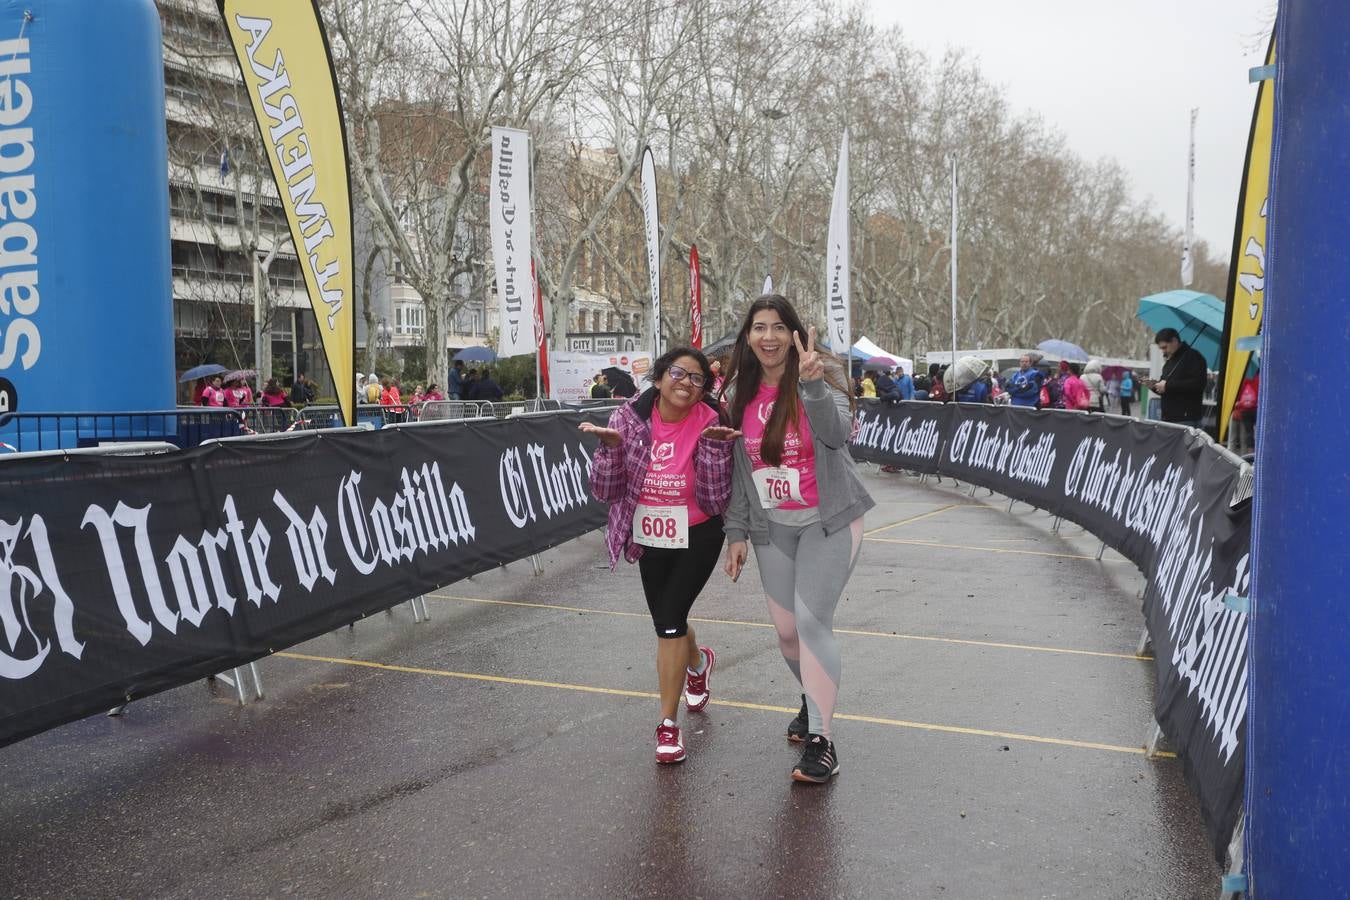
(303, 391)
(1182, 385)
(887, 389)
(454, 382)
(485, 388)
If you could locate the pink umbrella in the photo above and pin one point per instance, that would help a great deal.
(879, 364)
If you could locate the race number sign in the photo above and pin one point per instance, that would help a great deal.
(665, 527)
(778, 485)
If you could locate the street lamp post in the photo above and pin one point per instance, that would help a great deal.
(384, 336)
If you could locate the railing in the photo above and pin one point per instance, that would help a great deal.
(379, 415)
(507, 408)
(183, 427)
(319, 416)
(268, 419)
(438, 410)
(240, 278)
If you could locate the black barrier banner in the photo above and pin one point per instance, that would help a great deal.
(1159, 495)
(124, 576)
(907, 435)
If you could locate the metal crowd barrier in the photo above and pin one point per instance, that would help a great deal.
(268, 419)
(317, 416)
(183, 427)
(507, 408)
(443, 410)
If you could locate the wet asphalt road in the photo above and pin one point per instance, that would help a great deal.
(504, 749)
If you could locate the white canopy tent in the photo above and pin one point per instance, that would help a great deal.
(865, 346)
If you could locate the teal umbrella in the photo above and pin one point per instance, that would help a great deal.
(1197, 317)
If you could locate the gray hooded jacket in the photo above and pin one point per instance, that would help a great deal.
(842, 495)
(1096, 385)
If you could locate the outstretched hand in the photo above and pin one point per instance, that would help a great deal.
(810, 367)
(721, 433)
(608, 436)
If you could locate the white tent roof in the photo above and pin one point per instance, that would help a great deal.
(864, 345)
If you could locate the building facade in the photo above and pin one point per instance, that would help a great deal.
(225, 214)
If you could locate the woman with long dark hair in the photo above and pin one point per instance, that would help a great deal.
(797, 497)
(664, 467)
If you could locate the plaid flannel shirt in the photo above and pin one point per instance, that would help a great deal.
(617, 474)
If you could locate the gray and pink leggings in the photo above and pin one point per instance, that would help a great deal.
(804, 572)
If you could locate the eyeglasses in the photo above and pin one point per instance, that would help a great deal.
(678, 373)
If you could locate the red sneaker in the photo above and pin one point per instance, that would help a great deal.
(696, 694)
(669, 744)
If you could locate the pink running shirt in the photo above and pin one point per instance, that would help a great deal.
(670, 472)
(798, 451)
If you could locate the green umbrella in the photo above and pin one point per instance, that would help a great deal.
(1197, 317)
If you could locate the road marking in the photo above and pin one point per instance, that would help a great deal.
(733, 704)
(1001, 645)
(930, 513)
(993, 549)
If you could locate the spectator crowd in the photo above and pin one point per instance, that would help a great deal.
(1070, 386)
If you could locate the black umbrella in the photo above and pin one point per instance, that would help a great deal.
(721, 345)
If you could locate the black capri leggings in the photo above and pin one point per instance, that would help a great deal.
(671, 579)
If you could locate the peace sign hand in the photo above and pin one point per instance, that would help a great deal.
(810, 367)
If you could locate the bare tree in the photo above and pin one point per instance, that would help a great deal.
(639, 71)
(743, 104)
(423, 85)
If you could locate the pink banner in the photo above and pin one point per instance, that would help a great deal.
(539, 329)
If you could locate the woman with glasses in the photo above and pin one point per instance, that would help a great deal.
(664, 468)
(797, 497)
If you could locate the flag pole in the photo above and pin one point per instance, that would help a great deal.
(538, 326)
(1187, 251)
(953, 243)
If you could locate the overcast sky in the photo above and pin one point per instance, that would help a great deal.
(1119, 79)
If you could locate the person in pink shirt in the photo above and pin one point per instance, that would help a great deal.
(1076, 393)
(213, 394)
(272, 394)
(238, 394)
(664, 467)
(797, 497)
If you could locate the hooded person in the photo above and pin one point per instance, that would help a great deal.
(621, 384)
(937, 383)
(1092, 379)
(966, 380)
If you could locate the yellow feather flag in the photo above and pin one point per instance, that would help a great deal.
(288, 73)
(1247, 271)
